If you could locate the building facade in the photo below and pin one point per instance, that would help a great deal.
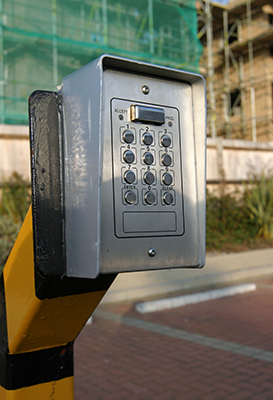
(41, 42)
(238, 64)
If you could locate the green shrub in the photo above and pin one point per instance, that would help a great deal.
(228, 221)
(14, 203)
(15, 198)
(258, 198)
(9, 230)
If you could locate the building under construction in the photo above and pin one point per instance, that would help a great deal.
(41, 42)
(238, 64)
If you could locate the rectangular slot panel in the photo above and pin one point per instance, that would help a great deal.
(140, 222)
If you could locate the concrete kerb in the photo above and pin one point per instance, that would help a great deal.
(220, 270)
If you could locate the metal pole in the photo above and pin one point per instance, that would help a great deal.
(251, 72)
(128, 33)
(185, 36)
(38, 333)
(2, 77)
(226, 77)
(151, 27)
(83, 18)
(209, 34)
(105, 22)
(243, 95)
(54, 42)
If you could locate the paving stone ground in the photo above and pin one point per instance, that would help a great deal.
(219, 349)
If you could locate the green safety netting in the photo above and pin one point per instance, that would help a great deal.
(41, 42)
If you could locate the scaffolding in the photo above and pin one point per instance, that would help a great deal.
(238, 65)
(41, 42)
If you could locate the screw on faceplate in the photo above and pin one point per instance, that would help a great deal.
(145, 89)
(152, 252)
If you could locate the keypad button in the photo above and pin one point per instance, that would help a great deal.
(167, 179)
(129, 177)
(129, 156)
(149, 178)
(130, 197)
(168, 198)
(128, 136)
(148, 158)
(166, 159)
(147, 139)
(166, 141)
(149, 198)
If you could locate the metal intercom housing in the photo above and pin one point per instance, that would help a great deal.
(134, 143)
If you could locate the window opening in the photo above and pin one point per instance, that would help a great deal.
(233, 33)
(235, 102)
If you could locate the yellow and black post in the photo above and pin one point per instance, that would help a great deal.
(41, 310)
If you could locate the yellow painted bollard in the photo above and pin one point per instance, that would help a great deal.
(36, 343)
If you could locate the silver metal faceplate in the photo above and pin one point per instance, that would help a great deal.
(130, 229)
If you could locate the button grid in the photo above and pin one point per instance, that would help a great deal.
(152, 155)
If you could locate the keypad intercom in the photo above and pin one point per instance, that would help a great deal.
(147, 198)
(134, 167)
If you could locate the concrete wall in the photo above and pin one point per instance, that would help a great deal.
(236, 159)
(14, 150)
(233, 159)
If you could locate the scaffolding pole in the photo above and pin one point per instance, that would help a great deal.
(226, 77)
(151, 27)
(83, 18)
(105, 22)
(209, 37)
(54, 42)
(251, 72)
(243, 95)
(2, 77)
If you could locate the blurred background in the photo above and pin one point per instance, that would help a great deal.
(229, 43)
(226, 352)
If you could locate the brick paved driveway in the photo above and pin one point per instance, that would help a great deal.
(220, 349)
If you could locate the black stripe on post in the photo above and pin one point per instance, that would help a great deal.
(29, 369)
(48, 288)
(32, 368)
(3, 335)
